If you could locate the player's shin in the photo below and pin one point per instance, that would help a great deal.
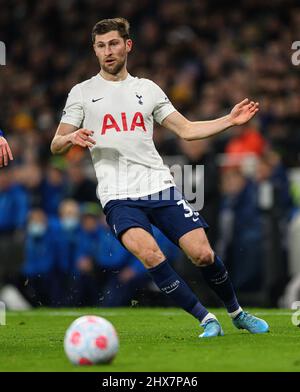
(216, 276)
(172, 285)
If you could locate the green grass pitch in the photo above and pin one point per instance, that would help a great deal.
(151, 339)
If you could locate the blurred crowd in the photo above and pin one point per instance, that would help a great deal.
(206, 56)
(74, 260)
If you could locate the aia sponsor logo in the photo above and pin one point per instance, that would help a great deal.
(123, 122)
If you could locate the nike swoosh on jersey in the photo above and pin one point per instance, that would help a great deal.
(98, 99)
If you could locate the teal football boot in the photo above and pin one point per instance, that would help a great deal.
(251, 323)
(212, 328)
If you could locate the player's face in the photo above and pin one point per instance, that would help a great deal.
(111, 50)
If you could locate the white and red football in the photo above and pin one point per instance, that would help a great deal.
(91, 340)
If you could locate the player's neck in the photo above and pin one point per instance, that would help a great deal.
(122, 75)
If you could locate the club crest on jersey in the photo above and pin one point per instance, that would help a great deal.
(123, 123)
(139, 97)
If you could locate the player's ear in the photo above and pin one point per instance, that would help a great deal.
(129, 44)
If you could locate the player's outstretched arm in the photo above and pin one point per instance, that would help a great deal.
(68, 135)
(5, 151)
(193, 130)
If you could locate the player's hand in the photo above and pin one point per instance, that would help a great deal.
(243, 112)
(5, 152)
(82, 137)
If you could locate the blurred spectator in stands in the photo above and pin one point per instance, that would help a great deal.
(31, 177)
(99, 257)
(165, 141)
(240, 240)
(85, 289)
(244, 140)
(13, 204)
(270, 170)
(39, 259)
(54, 187)
(22, 122)
(13, 213)
(80, 187)
(276, 208)
(199, 152)
(67, 242)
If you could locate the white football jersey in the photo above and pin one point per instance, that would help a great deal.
(121, 115)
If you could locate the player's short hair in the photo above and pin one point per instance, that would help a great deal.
(116, 24)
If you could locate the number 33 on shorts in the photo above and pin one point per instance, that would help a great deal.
(189, 212)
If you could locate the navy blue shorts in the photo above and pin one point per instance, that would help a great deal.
(167, 210)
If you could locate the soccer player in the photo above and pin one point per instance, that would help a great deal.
(5, 152)
(112, 114)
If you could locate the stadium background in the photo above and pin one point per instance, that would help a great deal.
(207, 56)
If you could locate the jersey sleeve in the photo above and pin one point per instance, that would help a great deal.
(73, 111)
(163, 106)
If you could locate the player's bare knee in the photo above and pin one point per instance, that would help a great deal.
(151, 257)
(131, 241)
(202, 257)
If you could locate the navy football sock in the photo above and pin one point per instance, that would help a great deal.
(171, 284)
(216, 276)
